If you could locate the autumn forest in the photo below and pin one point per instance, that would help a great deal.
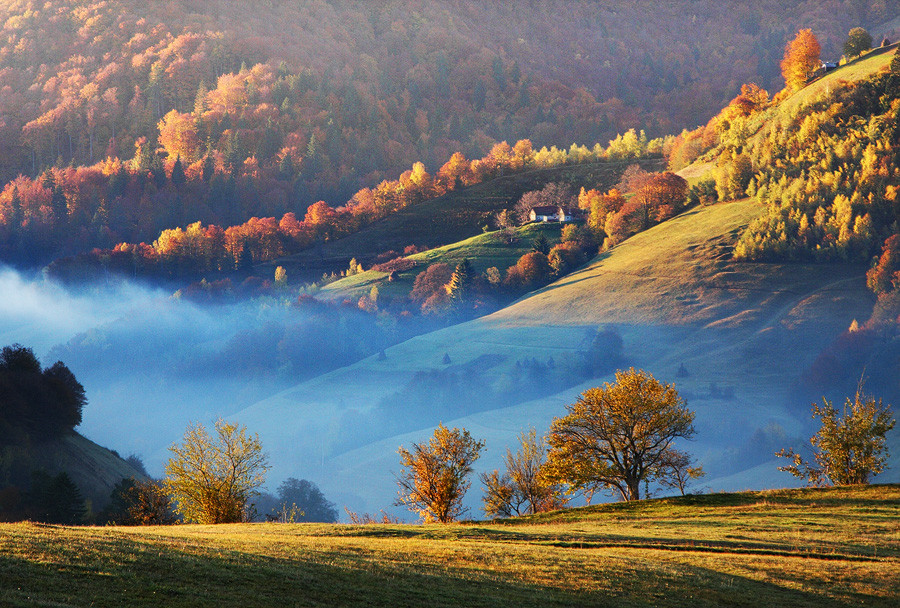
(125, 123)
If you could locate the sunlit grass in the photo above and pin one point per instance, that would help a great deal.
(482, 251)
(794, 547)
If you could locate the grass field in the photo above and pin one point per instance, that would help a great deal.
(833, 547)
(482, 251)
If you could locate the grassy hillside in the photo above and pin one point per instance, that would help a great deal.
(482, 251)
(93, 468)
(744, 332)
(456, 216)
(835, 547)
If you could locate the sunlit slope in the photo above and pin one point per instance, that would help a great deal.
(483, 251)
(815, 548)
(458, 215)
(745, 333)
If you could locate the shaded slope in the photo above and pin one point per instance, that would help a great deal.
(744, 333)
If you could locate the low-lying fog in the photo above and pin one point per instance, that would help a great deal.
(151, 363)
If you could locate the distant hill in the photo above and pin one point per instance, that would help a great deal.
(456, 216)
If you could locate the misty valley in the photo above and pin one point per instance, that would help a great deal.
(557, 303)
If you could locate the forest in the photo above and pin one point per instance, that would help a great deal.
(127, 122)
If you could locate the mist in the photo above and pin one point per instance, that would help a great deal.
(332, 399)
(152, 363)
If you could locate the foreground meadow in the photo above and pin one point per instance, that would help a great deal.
(834, 547)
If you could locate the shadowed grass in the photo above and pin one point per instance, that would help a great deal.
(795, 547)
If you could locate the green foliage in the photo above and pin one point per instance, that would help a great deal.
(619, 436)
(858, 42)
(213, 478)
(41, 403)
(541, 244)
(849, 448)
(56, 499)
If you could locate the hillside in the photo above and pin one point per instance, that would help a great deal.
(816, 548)
(455, 216)
(483, 251)
(125, 119)
(93, 468)
(744, 332)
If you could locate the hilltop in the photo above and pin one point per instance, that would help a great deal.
(817, 548)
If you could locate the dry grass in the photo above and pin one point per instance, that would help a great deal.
(794, 547)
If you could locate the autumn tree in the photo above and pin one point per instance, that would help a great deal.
(885, 275)
(178, 136)
(858, 42)
(801, 59)
(619, 436)
(679, 470)
(523, 488)
(849, 448)
(140, 503)
(434, 478)
(212, 478)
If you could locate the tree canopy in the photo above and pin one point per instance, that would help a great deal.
(801, 59)
(42, 403)
(213, 477)
(619, 436)
(849, 448)
(434, 478)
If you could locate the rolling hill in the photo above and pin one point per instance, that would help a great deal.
(453, 217)
(816, 548)
(745, 333)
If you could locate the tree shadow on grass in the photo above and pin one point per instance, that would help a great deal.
(121, 572)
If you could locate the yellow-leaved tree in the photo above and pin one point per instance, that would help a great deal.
(617, 437)
(801, 59)
(435, 475)
(849, 449)
(213, 478)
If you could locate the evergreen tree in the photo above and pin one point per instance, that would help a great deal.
(178, 177)
(460, 282)
(541, 244)
(16, 209)
(56, 500)
(200, 105)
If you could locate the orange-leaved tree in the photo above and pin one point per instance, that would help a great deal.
(435, 474)
(801, 59)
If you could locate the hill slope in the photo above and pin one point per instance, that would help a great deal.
(821, 548)
(93, 468)
(744, 332)
(455, 216)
